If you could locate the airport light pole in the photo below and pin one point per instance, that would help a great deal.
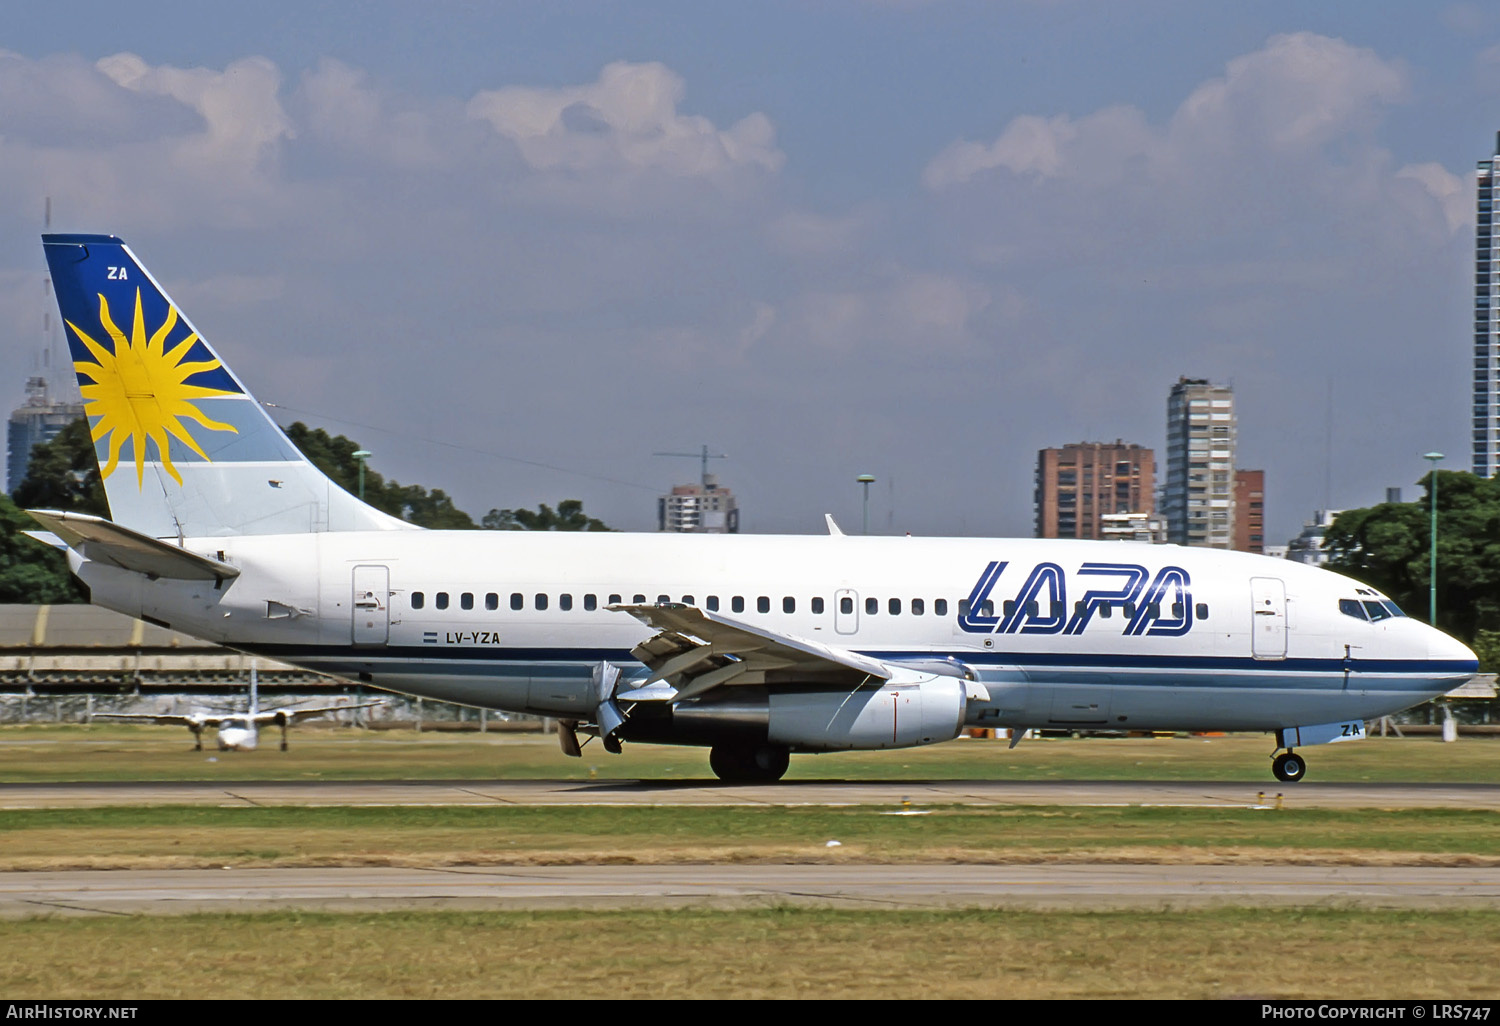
(867, 480)
(362, 455)
(1432, 487)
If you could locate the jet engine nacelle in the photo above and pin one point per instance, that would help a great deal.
(900, 714)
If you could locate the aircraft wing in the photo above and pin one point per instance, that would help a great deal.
(107, 542)
(695, 651)
(164, 718)
(291, 714)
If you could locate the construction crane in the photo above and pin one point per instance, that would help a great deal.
(705, 456)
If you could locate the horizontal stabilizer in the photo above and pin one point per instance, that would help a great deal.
(47, 538)
(106, 542)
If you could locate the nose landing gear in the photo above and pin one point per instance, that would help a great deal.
(1289, 766)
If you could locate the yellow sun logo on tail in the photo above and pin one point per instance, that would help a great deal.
(140, 390)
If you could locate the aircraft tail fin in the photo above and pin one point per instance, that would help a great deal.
(183, 448)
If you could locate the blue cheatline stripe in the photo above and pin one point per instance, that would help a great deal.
(459, 656)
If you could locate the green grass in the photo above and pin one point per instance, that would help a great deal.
(759, 953)
(116, 752)
(177, 836)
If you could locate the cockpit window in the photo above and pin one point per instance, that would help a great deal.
(1351, 607)
(1394, 609)
(1376, 610)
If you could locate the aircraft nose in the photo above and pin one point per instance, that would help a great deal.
(1450, 650)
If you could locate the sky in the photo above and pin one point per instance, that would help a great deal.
(516, 248)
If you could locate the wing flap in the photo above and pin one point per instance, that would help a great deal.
(695, 651)
(107, 542)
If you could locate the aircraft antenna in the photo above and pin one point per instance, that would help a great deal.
(704, 456)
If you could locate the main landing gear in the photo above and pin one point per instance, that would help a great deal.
(1289, 766)
(736, 764)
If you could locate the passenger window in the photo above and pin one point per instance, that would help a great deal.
(565, 602)
(894, 607)
(492, 601)
(872, 606)
(917, 607)
(1202, 610)
(940, 607)
(788, 605)
(516, 601)
(846, 604)
(687, 600)
(614, 600)
(1032, 610)
(664, 600)
(963, 607)
(418, 600)
(1010, 607)
(541, 600)
(639, 600)
(1129, 610)
(1105, 610)
(713, 603)
(737, 604)
(988, 608)
(763, 604)
(1153, 611)
(817, 604)
(1177, 610)
(442, 600)
(466, 600)
(591, 602)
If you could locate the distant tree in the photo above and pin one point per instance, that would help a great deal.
(432, 509)
(64, 474)
(568, 516)
(1388, 546)
(30, 571)
(334, 456)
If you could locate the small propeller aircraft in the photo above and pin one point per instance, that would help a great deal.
(237, 731)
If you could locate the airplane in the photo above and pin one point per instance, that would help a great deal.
(755, 647)
(236, 731)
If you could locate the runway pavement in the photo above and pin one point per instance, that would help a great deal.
(1204, 794)
(853, 886)
(124, 892)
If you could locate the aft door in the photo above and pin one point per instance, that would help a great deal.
(372, 605)
(845, 611)
(1268, 616)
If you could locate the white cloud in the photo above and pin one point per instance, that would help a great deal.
(243, 121)
(626, 119)
(911, 311)
(343, 109)
(1451, 193)
(1296, 95)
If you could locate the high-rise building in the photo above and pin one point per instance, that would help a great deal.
(1486, 412)
(699, 509)
(1250, 510)
(1198, 501)
(1079, 483)
(35, 421)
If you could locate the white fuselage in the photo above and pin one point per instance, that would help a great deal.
(1061, 633)
(238, 735)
